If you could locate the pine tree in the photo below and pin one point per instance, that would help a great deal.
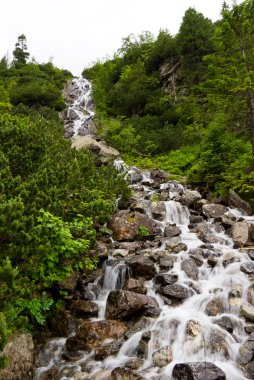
(20, 53)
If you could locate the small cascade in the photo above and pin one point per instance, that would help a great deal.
(176, 213)
(114, 279)
(198, 284)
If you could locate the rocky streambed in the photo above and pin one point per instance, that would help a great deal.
(173, 295)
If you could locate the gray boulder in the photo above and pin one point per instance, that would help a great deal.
(197, 371)
(213, 210)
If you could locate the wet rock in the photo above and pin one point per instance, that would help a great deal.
(190, 268)
(225, 323)
(166, 262)
(124, 374)
(69, 284)
(176, 245)
(131, 246)
(250, 295)
(141, 324)
(135, 177)
(125, 225)
(213, 210)
(247, 311)
(141, 266)
(217, 342)
(199, 204)
(172, 231)
(165, 279)
(120, 252)
(139, 206)
(158, 210)
(101, 250)
(249, 329)
(175, 292)
(212, 260)
(228, 258)
(194, 219)
(134, 363)
(91, 335)
(84, 309)
(214, 307)
(106, 350)
(247, 267)
(241, 232)
(143, 343)
(162, 357)
(235, 201)
(61, 322)
(135, 285)
(197, 255)
(190, 197)
(193, 328)
(226, 221)
(197, 371)
(246, 357)
(251, 255)
(103, 153)
(20, 352)
(122, 304)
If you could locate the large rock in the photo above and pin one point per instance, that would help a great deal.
(190, 197)
(126, 225)
(135, 285)
(158, 210)
(215, 307)
(20, 352)
(106, 350)
(197, 371)
(61, 322)
(91, 335)
(246, 357)
(175, 292)
(176, 245)
(242, 233)
(247, 267)
(247, 311)
(103, 153)
(165, 279)
(213, 210)
(193, 328)
(172, 231)
(189, 266)
(84, 309)
(234, 200)
(122, 304)
(141, 266)
(166, 262)
(162, 357)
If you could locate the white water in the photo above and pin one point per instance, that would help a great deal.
(169, 330)
(81, 110)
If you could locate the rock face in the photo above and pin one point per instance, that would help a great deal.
(242, 233)
(103, 153)
(235, 201)
(197, 371)
(20, 351)
(126, 225)
(122, 304)
(141, 266)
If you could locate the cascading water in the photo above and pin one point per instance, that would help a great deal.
(202, 322)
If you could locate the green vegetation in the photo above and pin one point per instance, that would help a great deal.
(185, 103)
(53, 199)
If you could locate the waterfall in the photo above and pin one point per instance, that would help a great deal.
(185, 330)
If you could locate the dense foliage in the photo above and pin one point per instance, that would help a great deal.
(53, 199)
(185, 103)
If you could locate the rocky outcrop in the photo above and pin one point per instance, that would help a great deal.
(20, 352)
(103, 153)
(197, 371)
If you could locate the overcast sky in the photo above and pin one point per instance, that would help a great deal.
(78, 32)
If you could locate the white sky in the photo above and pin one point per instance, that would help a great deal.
(78, 32)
